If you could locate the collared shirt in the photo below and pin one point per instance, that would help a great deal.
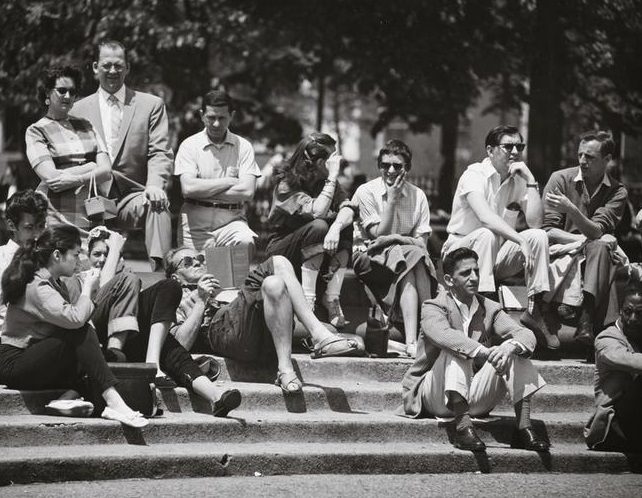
(411, 217)
(43, 310)
(484, 178)
(106, 108)
(605, 207)
(6, 255)
(233, 158)
(467, 314)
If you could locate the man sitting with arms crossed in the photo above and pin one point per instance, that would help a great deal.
(457, 372)
(615, 425)
(258, 324)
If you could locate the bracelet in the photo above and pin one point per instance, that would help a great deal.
(533, 185)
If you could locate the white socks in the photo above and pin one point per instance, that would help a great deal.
(334, 285)
(309, 284)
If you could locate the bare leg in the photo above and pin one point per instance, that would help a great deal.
(409, 304)
(206, 388)
(278, 318)
(283, 269)
(113, 400)
(157, 334)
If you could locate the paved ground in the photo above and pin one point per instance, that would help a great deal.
(469, 485)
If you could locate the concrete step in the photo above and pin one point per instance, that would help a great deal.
(102, 462)
(253, 426)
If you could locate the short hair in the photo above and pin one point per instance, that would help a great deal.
(26, 202)
(217, 98)
(170, 266)
(51, 75)
(112, 44)
(452, 258)
(633, 288)
(607, 144)
(495, 135)
(396, 148)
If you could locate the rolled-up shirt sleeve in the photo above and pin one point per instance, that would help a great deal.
(609, 215)
(423, 224)
(53, 308)
(368, 211)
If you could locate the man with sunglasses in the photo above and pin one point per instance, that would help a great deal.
(257, 325)
(486, 207)
(218, 174)
(134, 126)
(394, 218)
(584, 204)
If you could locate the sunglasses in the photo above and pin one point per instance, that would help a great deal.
(188, 261)
(396, 166)
(508, 148)
(63, 90)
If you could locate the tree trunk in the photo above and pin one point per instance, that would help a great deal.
(546, 120)
(320, 101)
(449, 135)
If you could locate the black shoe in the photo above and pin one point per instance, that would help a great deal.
(164, 382)
(115, 355)
(467, 439)
(526, 439)
(228, 401)
(584, 337)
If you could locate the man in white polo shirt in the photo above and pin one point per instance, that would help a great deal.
(489, 196)
(218, 173)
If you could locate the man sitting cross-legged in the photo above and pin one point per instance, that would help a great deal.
(258, 323)
(457, 372)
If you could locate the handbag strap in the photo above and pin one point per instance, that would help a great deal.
(92, 184)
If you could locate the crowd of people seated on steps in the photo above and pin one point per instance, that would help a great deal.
(63, 313)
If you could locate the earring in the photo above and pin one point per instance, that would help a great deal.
(46, 101)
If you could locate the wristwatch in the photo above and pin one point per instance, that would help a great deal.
(533, 185)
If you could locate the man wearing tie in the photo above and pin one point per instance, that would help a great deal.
(134, 126)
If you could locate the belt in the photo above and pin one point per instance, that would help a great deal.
(218, 205)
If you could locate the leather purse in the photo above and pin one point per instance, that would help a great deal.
(98, 206)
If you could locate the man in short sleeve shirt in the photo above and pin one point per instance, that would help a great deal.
(583, 206)
(489, 196)
(218, 173)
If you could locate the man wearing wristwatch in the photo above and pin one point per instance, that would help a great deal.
(483, 219)
(217, 173)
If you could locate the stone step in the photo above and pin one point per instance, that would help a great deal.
(567, 371)
(247, 425)
(119, 461)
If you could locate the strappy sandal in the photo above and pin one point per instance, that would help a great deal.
(336, 346)
(289, 382)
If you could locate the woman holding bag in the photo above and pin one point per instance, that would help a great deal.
(64, 151)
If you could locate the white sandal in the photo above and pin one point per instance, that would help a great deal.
(136, 419)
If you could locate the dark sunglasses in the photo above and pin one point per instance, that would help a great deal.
(508, 148)
(396, 166)
(62, 90)
(188, 261)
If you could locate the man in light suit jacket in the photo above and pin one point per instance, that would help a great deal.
(135, 129)
(458, 372)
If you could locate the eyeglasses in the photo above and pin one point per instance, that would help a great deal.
(396, 166)
(119, 68)
(508, 148)
(63, 90)
(188, 261)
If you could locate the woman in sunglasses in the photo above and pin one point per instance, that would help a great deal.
(394, 220)
(64, 151)
(148, 339)
(311, 219)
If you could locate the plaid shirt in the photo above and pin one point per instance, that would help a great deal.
(67, 143)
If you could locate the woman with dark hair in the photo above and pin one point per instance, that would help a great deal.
(47, 339)
(64, 151)
(311, 219)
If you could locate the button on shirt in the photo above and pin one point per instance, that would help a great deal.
(233, 158)
(106, 108)
(411, 218)
(484, 178)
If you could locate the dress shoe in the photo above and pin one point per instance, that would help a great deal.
(526, 439)
(467, 439)
(540, 327)
(584, 332)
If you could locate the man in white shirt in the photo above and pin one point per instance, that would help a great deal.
(459, 371)
(26, 214)
(489, 197)
(134, 126)
(218, 174)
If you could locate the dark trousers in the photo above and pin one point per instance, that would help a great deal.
(158, 304)
(626, 429)
(599, 281)
(116, 306)
(56, 362)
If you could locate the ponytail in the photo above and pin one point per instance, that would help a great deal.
(33, 256)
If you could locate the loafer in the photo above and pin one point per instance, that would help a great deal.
(584, 337)
(134, 419)
(526, 439)
(164, 382)
(69, 408)
(467, 439)
(228, 401)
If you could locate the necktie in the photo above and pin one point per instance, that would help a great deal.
(115, 123)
